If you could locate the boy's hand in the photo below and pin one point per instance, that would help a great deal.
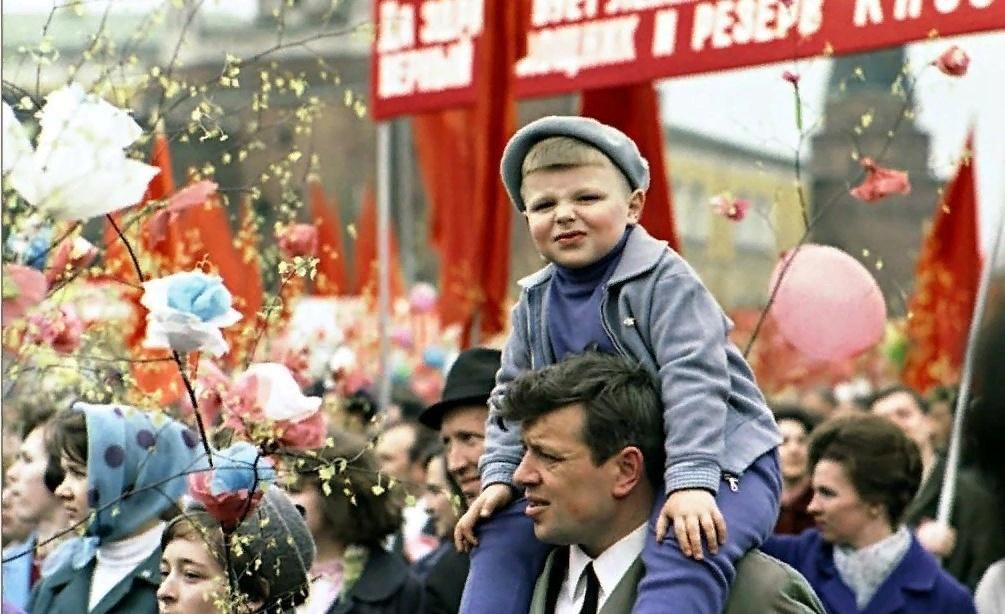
(691, 512)
(493, 497)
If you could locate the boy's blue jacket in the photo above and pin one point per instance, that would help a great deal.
(655, 310)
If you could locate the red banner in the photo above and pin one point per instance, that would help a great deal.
(425, 49)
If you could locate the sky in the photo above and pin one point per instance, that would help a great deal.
(754, 106)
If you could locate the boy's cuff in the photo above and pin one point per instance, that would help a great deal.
(498, 473)
(686, 475)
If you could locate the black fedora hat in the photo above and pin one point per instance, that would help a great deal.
(469, 382)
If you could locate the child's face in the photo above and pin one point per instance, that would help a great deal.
(73, 490)
(576, 215)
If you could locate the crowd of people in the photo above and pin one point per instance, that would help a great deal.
(616, 456)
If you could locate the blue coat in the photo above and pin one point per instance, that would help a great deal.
(17, 572)
(917, 584)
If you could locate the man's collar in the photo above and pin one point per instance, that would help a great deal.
(612, 564)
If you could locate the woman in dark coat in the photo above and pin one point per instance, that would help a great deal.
(859, 558)
(351, 512)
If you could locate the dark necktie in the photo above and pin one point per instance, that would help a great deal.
(592, 591)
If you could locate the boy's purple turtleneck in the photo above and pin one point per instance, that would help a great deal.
(574, 320)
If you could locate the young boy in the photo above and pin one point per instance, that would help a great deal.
(123, 468)
(611, 287)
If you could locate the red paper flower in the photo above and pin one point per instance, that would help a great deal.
(211, 385)
(953, 62)
(880, 182)
(731, 208)
(23, 288)
(299, 240)
(70, 257)
(60, 329)
(791, 77)
(308, 434)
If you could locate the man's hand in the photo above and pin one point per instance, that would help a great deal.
(492, 498)
(937, 538)
(691, 512)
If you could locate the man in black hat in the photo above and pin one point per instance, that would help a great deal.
(460, 418)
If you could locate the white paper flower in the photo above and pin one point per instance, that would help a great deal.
(279, 396)
(79, 169)
(187, 311)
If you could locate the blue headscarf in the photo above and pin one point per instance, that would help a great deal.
(137, 463)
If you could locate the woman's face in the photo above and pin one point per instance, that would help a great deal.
(192, 581)
(842, 517)
(30, 500)
(73, 490)
(794, 451)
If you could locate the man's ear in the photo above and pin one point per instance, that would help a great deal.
(636, 203)
(631, 469)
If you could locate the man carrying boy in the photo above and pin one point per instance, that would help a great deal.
(612, 288)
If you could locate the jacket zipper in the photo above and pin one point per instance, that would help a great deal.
(607, 328)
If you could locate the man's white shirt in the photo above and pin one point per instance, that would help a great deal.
(610, 567)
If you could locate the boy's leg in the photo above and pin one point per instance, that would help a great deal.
(505, 564)
(697, 587)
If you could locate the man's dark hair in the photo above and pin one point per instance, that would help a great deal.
(796, 414)
(896, 389)
(880, 461)
(620, 398)
(427, 444)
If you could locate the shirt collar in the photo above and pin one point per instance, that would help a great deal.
(611, 565)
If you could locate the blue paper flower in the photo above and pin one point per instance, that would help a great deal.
(199, 294)
(31, 247)
(235, 469)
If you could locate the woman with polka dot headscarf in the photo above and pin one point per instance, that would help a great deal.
(124, 469)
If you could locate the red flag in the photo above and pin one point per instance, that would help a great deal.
(366, 265)
(247, 289)
(459, 155)
(947, 277)
(331, 279)
(634, 109)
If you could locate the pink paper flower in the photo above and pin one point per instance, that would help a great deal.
(880, 182)
(791, 77)
(731, 208)
(23, 288)
(266, 405)
(189, 196)
(70, 257)
(299, 240)
(953, 62)
(60, 329)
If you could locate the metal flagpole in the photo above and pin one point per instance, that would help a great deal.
(384, 260)
(948, 495)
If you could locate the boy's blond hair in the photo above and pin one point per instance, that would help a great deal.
(566, 152)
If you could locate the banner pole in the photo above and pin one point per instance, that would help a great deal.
(383, 260)
(948, 495)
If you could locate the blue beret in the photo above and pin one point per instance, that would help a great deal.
(622, 151)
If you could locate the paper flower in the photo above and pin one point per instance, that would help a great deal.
(30, 245)
(730, 208)
(79, 168)
(187, 311)
(266, 404)
(880, 182)
(23, 288)
(185, 198)
(791, 77)
(232, 489)
(71, 255)
(298, 240)
(422, 298)
(60, 329)
(953, 62)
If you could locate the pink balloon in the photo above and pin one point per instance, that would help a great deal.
(828, 306)
(422, 298)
